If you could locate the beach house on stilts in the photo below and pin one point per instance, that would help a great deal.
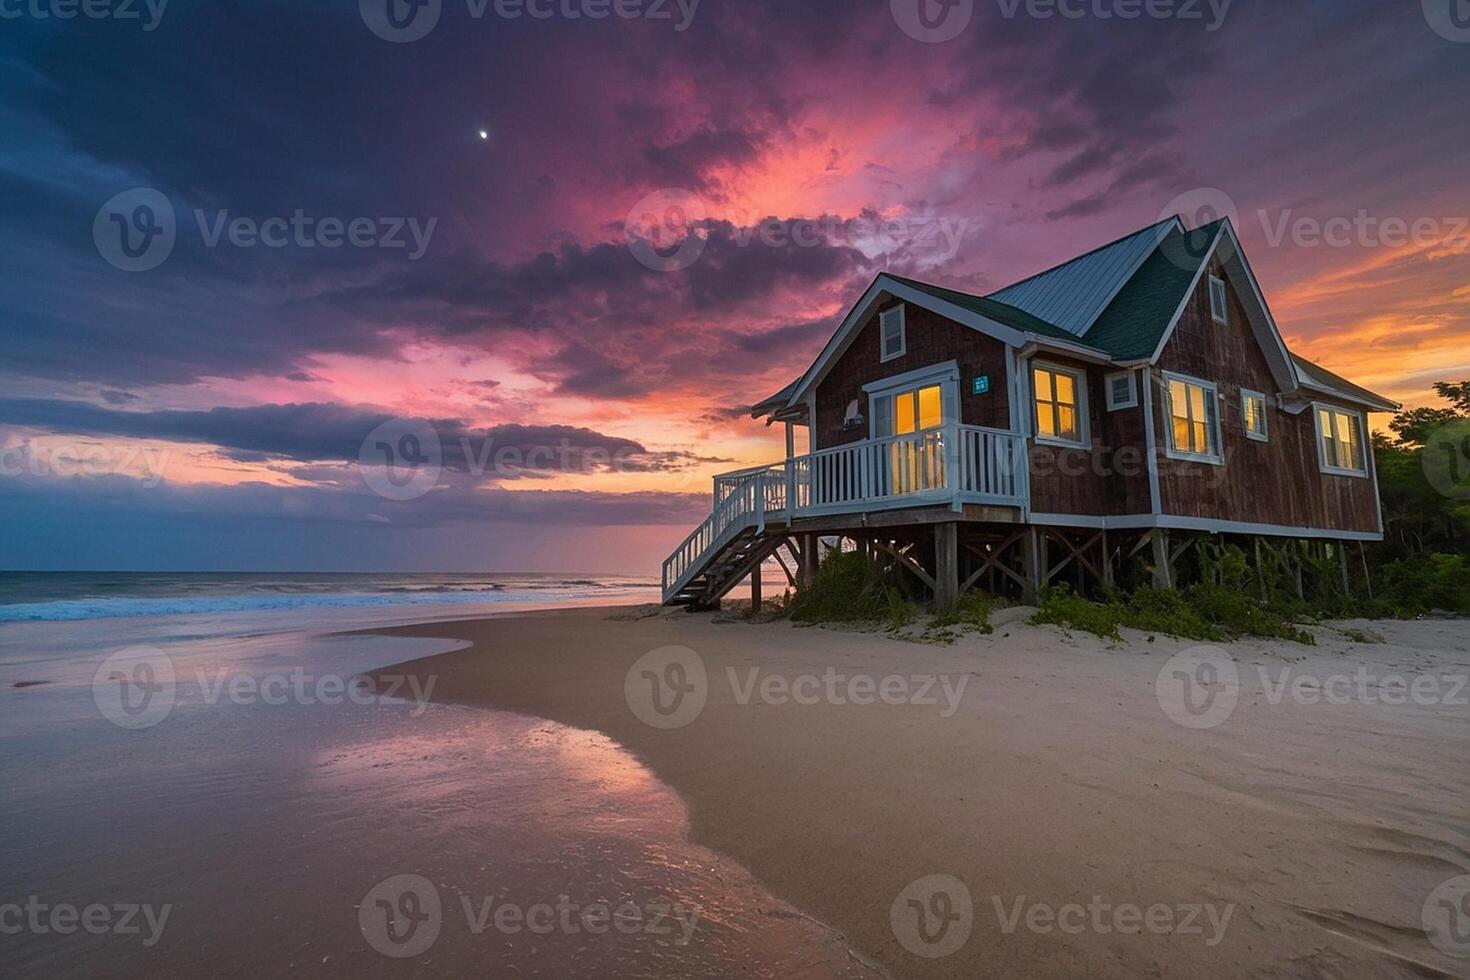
(1118, 413)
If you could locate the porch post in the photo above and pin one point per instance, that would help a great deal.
(1367, 575)
(946, 564)
(790, 441)
(808, 561)
(1163, 563)
(1031, 558)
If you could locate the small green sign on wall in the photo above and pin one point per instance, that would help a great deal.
(980, 385)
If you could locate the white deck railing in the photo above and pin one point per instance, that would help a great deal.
(954, 465)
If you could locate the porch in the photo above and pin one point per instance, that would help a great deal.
(951, 468)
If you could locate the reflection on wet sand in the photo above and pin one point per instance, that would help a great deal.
(265, 829)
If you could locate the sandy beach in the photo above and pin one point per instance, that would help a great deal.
(1034, 802)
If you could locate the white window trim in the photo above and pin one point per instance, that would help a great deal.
(1212, 390)
(903, 331)
(1084, 420)
(1245, 396)
(1362, 423)
(944, 373)
(1223, 317)
(1132, 401)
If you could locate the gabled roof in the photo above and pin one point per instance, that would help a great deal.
(987, 306)
(1073, 294)
(1139, 316)
(1117, 304)
(1316, 376)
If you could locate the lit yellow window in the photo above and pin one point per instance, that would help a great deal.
(1057, 406)
(917, 410)
(1192, 412)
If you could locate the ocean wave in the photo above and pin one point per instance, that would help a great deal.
(134, 606)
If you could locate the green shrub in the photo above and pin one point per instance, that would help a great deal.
(849, 588)
(1412, 586)
(971, 614)
(1202, 612)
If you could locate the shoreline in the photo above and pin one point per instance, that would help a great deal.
(1056, 778)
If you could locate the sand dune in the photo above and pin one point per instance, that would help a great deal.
(1054, 809)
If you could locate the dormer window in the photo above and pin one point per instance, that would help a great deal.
(892, 324)
(1219, 303)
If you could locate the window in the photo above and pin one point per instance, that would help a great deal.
(1122, 392)
(1061, 408)
(917, 410)
(1340, 441)
(1219, 302)
(1253, 415)
(1194, 415)
(893, 330)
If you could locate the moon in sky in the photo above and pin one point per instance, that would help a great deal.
(484, 134)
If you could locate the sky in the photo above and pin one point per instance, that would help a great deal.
(573, 249)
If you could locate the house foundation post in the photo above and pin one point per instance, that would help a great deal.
(1347, 582)
(946, 564)
(1163, 561)
(1031, 560)
(1367, 575)
(808, 571)
(755, 590)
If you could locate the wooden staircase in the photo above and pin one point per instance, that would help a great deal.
(727, 568)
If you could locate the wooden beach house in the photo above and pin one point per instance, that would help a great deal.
(1132, 403)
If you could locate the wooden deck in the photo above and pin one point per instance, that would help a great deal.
(952, 473)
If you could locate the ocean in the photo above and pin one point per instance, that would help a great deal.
(200, 748)
(61, 596)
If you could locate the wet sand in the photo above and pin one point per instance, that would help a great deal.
(1091, 834)
(246, 837)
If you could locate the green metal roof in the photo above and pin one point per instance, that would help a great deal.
(994, 309)
(1132, 325)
